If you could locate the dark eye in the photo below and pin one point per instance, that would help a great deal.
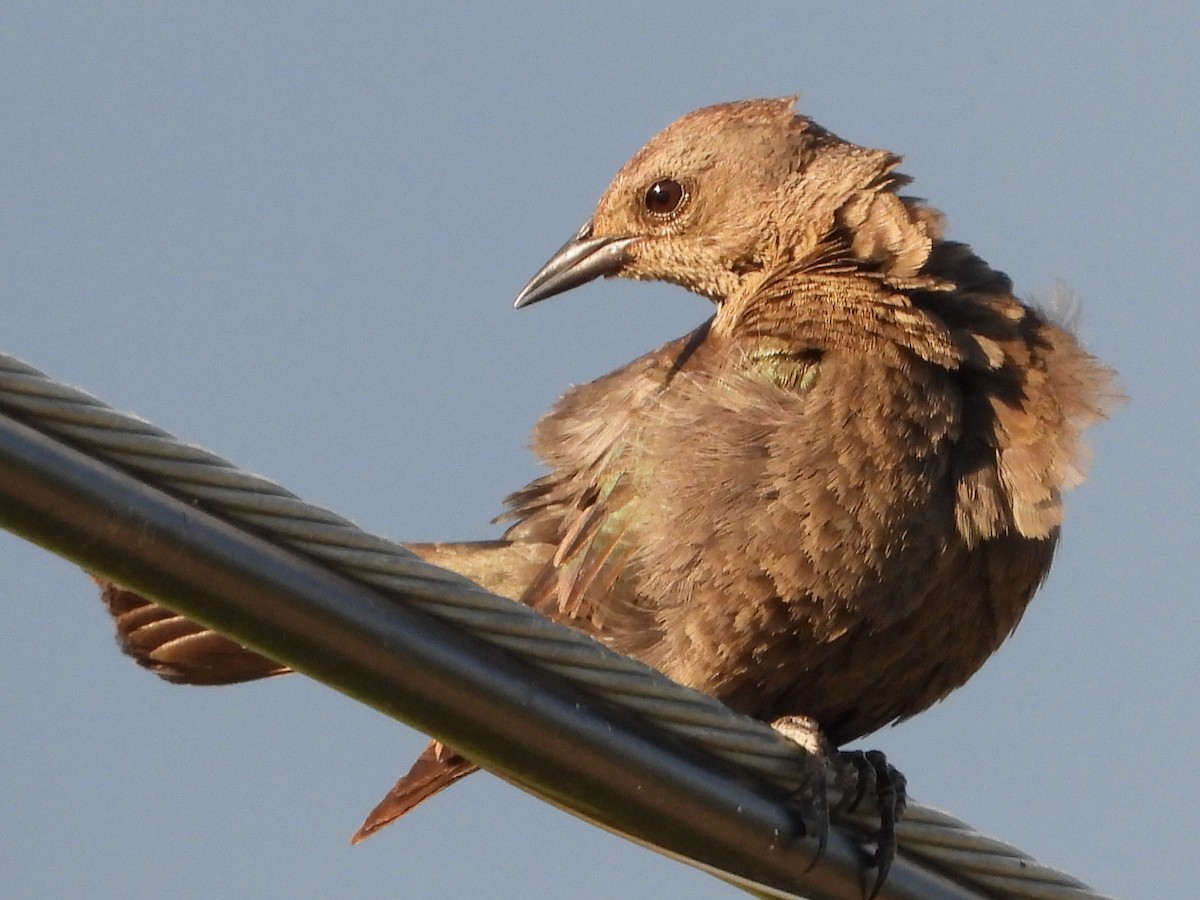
(664, 197)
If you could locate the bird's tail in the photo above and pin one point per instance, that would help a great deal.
(185, 652)
(437, 767)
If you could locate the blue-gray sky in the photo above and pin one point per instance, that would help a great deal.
(293, 235)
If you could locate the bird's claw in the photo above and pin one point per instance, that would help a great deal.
(871, 772)
(809, 802)
(810, 806)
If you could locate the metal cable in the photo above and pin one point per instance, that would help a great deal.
(948, 846)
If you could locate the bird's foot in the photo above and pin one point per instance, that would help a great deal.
(859, 772)
(856, 773)
(810, 801)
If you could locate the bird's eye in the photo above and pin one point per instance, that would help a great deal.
(664, 197)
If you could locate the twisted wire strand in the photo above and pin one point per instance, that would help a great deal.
(264, 507)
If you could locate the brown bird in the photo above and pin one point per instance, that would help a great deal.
(832, 500)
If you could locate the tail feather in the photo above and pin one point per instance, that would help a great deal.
(436, 768)
(186, 652)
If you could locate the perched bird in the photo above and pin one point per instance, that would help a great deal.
(832, 500)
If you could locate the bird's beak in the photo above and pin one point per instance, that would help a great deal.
(577, 262)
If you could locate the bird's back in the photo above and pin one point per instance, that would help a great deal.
(803, 522)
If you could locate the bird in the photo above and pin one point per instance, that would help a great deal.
(830, 503)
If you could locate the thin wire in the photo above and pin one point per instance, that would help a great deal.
(947, 845)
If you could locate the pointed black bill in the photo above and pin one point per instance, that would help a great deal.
(577, 262)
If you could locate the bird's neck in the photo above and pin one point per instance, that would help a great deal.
(833, 310)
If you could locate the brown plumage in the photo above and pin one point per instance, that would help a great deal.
(834, 499)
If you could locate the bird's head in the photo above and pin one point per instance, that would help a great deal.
(715, 200)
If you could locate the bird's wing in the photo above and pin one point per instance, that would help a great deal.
(185, 652)
(176, 648)
(591, 508)
(590, 582)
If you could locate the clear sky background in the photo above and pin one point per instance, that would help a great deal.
(293, 236)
